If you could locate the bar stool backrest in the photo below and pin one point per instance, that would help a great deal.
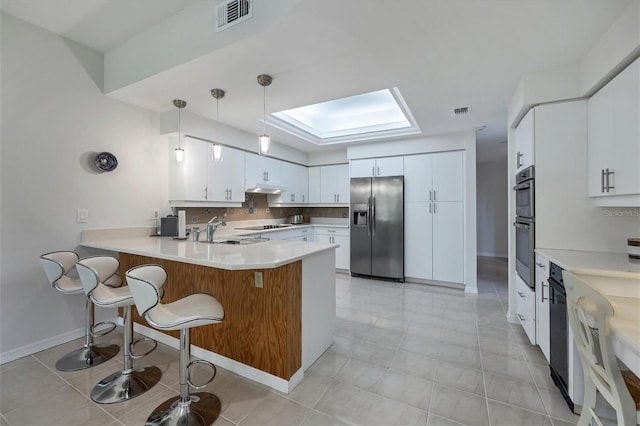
(145, 283)
(56, 266)
(588, 312)
(95, 271)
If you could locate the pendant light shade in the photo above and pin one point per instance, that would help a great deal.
(217, 148)
(179, 103)
(264, 141)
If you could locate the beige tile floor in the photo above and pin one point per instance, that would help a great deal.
(403, 354)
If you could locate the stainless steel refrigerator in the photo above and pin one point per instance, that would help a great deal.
(377, 227)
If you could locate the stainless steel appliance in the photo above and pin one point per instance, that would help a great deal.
(559, 332)
(377, 227)
(295, 219)
(525, 225)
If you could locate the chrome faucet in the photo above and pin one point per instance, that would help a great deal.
(212, 225)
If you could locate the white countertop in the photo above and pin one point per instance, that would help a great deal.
(594, 263)
(264, 255)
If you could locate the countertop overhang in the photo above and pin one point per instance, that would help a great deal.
(264, 255)
(594, 263)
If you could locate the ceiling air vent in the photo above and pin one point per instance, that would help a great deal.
(233, 12)
(462, 111)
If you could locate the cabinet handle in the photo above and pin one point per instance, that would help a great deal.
(521, 317)
(377, 171)
(303, 198)
(434, 208)
(434, 195)
(540, 264)
(231, 193)
(521, 294)
(304, 239)
(373, 171)
(602, 180)
(430, 207)
(338, 195)
(608, 173)
(430, 195)
(205, 193)
(520, 155)
(542, 298)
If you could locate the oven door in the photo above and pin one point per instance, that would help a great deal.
(525, 245)
(524, 194)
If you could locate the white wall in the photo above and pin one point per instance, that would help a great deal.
(54, 119)
(492, 207)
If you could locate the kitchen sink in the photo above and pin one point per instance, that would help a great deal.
(240, 241)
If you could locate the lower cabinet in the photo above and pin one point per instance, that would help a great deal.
(542, 305)
(526, 309)
(337, 236)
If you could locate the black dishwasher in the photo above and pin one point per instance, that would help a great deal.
(559, 332)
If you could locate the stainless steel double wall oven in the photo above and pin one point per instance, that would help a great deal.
(525, 225)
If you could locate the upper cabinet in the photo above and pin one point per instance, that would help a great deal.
(614, 140)
(374, 167)
(261, 170)
(296, 179)
(524, 142)
(199, 179)
(329, 184)
(434, 177)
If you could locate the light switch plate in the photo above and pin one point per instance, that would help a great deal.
(82, 216)
(258, 279)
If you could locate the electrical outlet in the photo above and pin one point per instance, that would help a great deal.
(82, 216)
(154, 213)
(258, 278)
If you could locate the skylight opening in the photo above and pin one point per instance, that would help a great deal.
(372, 115)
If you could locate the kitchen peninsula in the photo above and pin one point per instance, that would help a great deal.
(278, 297)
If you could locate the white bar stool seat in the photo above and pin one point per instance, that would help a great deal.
(588, 313)
(57, 267)
(129, 382)
(200, 408)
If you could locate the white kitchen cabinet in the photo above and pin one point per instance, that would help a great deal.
(525, 136)
(225, 179)
(434, 216)
(614, 136)
(260, 170)
(542, 305)
(526, 309)
(375, 167)
(296, 179)
(314, 184)
(304, 233)
(198, 179)
(334, 184)
(337, 235)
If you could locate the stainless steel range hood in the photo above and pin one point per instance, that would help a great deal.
(263, 188)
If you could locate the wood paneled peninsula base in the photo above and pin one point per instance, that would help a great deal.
(270, 334)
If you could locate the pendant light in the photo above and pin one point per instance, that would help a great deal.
(179, 103)
(217, 148)
(264, 141)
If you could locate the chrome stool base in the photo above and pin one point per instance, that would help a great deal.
(120, 386)
(87, 357)
(203, 409)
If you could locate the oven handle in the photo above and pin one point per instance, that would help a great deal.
(522, 225)
(523, 185)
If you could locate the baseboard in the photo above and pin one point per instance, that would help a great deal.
(513, 319)
(499, 256)
(471, 290)
(243, 370)
(41, 345)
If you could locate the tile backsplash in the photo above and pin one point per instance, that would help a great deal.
(256, 208)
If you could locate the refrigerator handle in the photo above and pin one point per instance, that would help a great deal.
(373, 215)
(369, 216)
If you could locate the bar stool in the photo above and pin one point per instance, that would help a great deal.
(57, 266)
(588, 312)
(200, 408)
(128, 382)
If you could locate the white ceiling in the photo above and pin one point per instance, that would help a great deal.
(441, 54)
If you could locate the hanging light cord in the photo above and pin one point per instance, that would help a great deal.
(264, 109)
(179, 128)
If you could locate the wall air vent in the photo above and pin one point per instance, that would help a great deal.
(462, 111)
(232, 12)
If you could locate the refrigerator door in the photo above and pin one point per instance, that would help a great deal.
(387, 230)
(361, 226)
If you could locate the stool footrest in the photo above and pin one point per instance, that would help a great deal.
(143, 339)
(200, 361)
(97, 333)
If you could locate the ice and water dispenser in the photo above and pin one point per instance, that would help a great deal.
(360, 214)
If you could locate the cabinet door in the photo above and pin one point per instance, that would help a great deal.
(255, 170)
(195, 166)
(225, 180)
(389, 166)
(301, 177)
(363, 168)
(343, 183)
(314, 184)
(524, 141)
(542, 305)
(234, 166)
(448, 241)
(448, 176)
(273, 169)
(526, 308)
(342, 252)
(327, 185)
(614, 135)
(417, 178)
(418, 238)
